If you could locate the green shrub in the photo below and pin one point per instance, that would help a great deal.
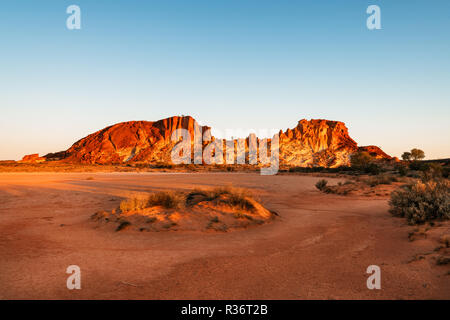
(417, 154)
(434, 170)
(402, 170)
(418, 165)
(360, 160)
(363, 161)
(422, 201)
(406, 156)
(372, 168)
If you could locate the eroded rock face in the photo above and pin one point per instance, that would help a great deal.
(375, 152)
(129, 142)
(316, 143)
(32, 158)
(311, 143)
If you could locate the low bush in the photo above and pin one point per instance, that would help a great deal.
(321, 184)
(372, 168)
(362, 161)
(422, 201)
(418, 165)
(402, 170)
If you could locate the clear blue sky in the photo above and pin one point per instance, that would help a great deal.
(230, 64)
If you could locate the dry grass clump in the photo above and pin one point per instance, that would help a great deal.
(422, 201)
(166, 199)
(218, 209)
(134, 204)
(235, 197)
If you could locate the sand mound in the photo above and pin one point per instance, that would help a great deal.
(219, 209)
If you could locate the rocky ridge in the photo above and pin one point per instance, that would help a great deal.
(316, 142)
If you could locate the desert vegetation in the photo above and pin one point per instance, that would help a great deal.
(219, 209)
(235, 197)
(364, 185)
(322, 184)
(363, 161)
(414, 154)
(60, 166)
(422, 201)
(426, 198)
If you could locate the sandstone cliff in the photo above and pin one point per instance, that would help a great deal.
(32, 158)
(311, 143)
(316, 143)
(129, 142)
(375, 152)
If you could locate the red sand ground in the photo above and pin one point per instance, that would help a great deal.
(319, 247)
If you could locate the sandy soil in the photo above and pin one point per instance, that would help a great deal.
(318, 248)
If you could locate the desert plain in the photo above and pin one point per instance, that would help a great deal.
(318, 247)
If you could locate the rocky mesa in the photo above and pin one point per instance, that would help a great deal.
(315, 142)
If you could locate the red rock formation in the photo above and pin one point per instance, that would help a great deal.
(32, 158)
(316, 143)
(311, 143)
(375, 152)
(128, 142)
